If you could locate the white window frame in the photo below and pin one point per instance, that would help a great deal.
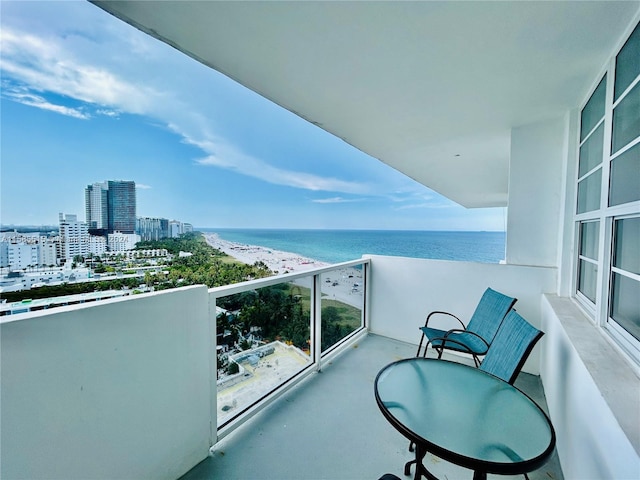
(606, 215)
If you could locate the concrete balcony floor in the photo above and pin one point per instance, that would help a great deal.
(330, 427)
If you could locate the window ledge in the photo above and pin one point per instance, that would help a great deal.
(612, 372)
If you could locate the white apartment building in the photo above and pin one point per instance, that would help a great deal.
(74, 237)
(97, 245)
(4, 254)
(121, 242)
(175, 228)
(47, 252)
(22, 256)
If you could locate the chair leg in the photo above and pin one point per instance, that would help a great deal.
(420, 346)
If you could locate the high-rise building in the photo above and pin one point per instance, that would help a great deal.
(97, 216)
(121, 206)
(110, 207)
(152, 229)
(74, 237)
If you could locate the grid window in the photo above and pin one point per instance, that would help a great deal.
(607, 273)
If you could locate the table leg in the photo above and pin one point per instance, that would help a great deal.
(421, 470)
(478, 475)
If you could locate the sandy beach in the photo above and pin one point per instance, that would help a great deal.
(276, 260)
(344, 284)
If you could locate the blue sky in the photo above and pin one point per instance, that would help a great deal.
(87, 98)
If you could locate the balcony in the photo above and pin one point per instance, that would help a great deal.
(330, 427)
(126, 388)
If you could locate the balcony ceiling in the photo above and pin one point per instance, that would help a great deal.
(430, 88)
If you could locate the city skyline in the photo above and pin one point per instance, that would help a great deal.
(85, 96)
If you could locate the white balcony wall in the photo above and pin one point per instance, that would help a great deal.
(592, 395)
(119, 389)
(403, 291)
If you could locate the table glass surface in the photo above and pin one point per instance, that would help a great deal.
(464, 410)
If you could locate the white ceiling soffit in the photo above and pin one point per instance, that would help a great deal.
(429, 88)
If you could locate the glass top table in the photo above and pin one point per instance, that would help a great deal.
(464, 415)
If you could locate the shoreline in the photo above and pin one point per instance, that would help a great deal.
(343, 285)
(278, 261)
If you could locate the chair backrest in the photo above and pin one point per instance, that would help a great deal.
(489, 314)
(510, 348)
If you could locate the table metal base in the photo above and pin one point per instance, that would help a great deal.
(421, 470)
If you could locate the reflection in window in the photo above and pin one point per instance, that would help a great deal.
(626, 120)
(625, 177)
(587, 279)
(589, 192)
(589, 239)
(591, 151)
(628, 63)
(625, 304)
(627, 250)
(593, 111)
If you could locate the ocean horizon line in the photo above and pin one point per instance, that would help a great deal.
(214, 229)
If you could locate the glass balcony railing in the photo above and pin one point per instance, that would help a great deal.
(269, 332)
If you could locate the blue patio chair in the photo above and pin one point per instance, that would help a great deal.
(510, 347)
(474, 338)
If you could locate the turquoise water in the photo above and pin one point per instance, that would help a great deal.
(333, 246)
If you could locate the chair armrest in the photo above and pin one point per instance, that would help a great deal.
(450, 340)
(443, 313)
(446, 338)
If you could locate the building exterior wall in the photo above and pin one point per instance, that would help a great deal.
(96, 206)
(535, 193)
(74, 237)
(152, 229)
(22, 256)
(121, 242)
(121, 201)
(175, 229)
(47, 254)
(4, 254)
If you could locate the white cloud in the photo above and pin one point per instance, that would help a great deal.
(142, 186)
(33, 100)
(49, 66)
(336, 200)
(42, 65)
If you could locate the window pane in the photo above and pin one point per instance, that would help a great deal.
(627, 248)
(265, 336)
(626, 120)
(628, 63)
(593, 111)
(342, 304)
(625, 304)
(587, 279)
(589, 192)
(591, 151)
(625, 177)
(589, 239)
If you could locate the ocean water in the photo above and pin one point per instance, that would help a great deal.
(334, 246)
